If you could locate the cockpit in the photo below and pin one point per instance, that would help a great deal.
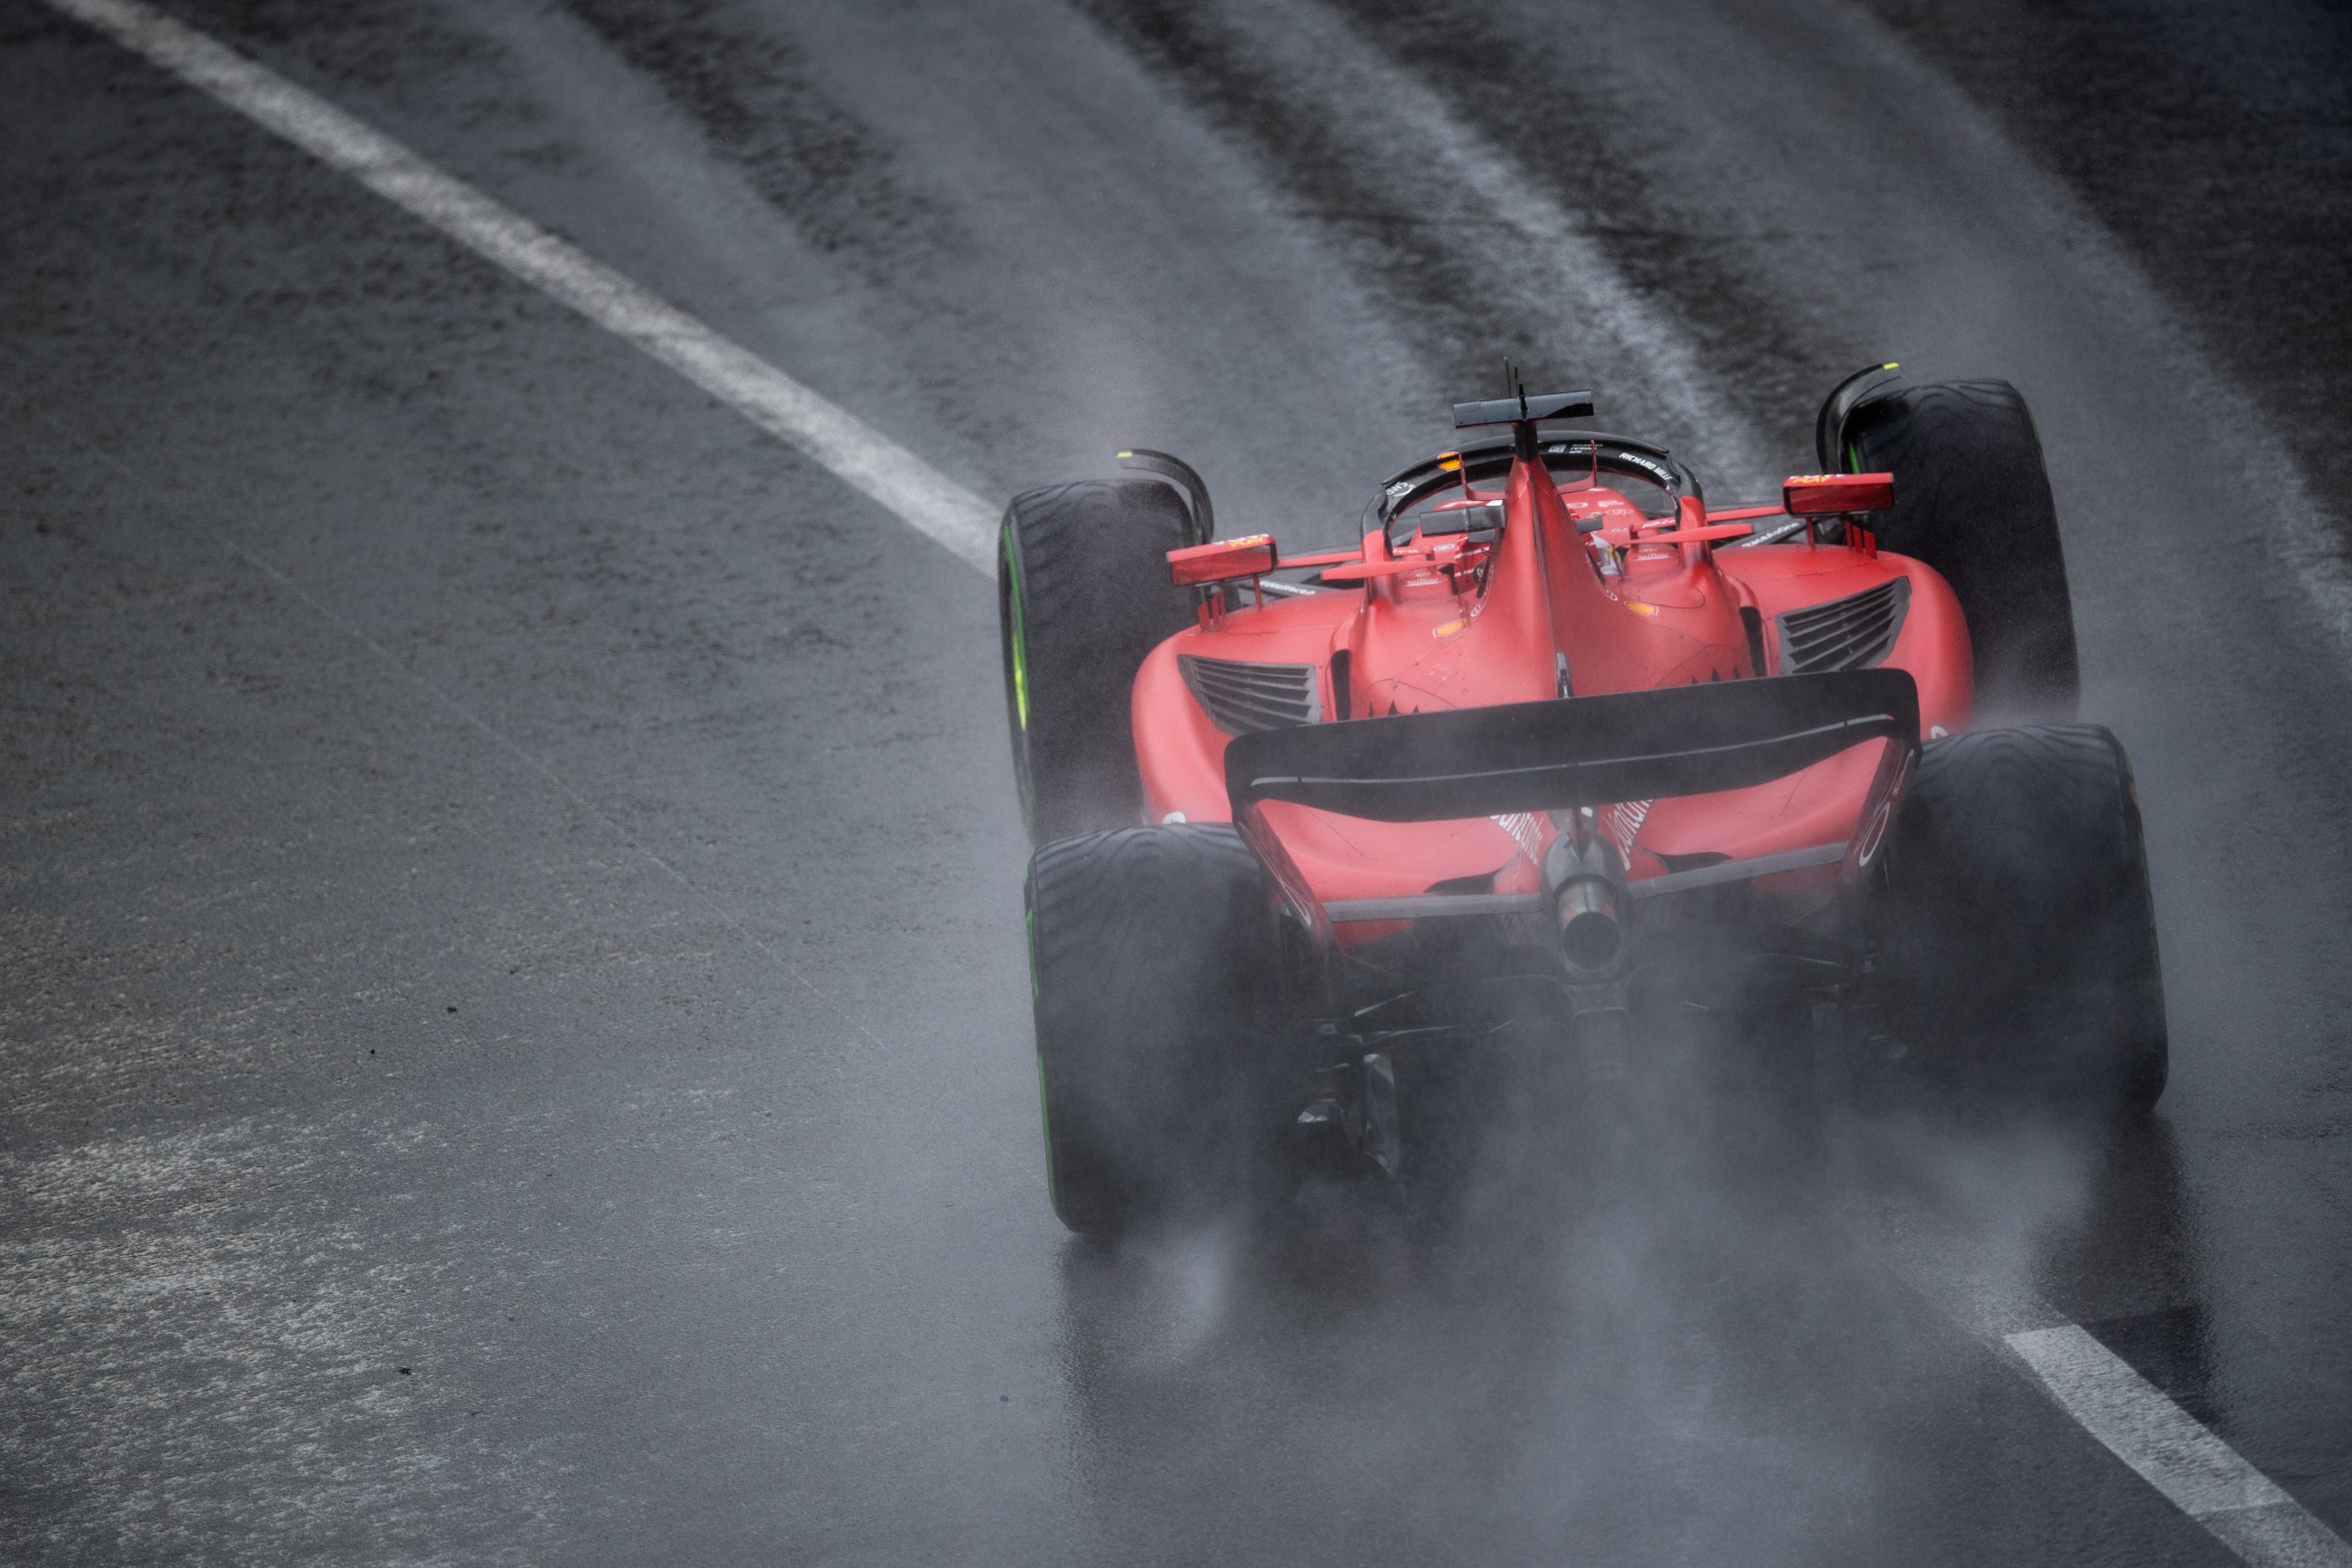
(1605, 482)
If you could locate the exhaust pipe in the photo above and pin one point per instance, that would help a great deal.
(1592, 932)
(1587, 881)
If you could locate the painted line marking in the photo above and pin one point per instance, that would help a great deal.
(924, 498)
(2201, 1474)
(2189, 1465)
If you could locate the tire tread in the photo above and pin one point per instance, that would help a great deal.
(1156, 985)
(2022, 941)
(1972, 500)
(1089, 562)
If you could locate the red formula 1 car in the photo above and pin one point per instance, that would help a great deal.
(1554, 750)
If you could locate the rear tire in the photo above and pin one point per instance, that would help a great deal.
(1972, 501)
(1083, 596)
(1156, 978)
(2019, 948)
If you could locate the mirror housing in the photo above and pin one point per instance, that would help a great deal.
(1226, 561)
(1834, 495)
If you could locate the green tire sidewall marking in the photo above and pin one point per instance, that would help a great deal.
(1021, 778)
(1020, 636)
(1853, 458)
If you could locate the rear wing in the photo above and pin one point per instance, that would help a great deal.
(1568, 753)
(1572, 751)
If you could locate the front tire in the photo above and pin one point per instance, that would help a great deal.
(1083, 594)
(1972, 500)
(2020, 936)
(1155, 976)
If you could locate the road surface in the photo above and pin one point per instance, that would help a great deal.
(513, 1032)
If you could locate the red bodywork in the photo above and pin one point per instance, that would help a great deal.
(1624, 602)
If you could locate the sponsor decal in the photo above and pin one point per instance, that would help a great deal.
(1624, 821)
(1524, 831)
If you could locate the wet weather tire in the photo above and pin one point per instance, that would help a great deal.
(1083, 596)
(1156, 980)
(2019, 945)
(1972, 500)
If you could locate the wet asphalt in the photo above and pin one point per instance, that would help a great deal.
(514, 1043)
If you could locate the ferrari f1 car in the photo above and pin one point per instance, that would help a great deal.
(1554, 747)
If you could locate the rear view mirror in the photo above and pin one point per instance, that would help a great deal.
(1830, 495)
(1223, 561)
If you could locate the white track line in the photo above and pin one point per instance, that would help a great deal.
(2190, 1466)
(2202, 1476)
(926, 500)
